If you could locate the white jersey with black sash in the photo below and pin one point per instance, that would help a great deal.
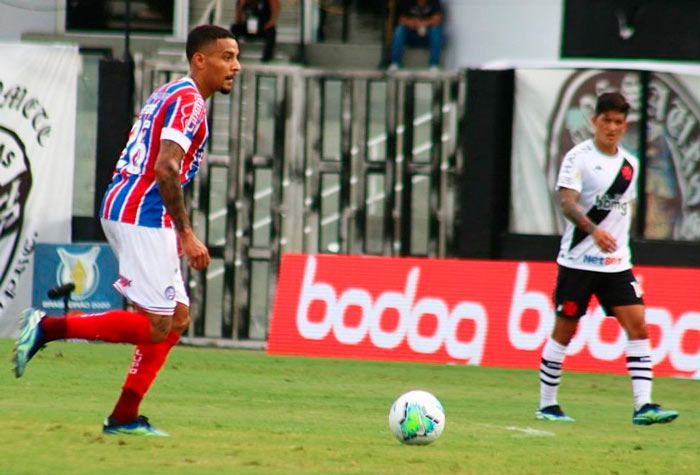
(607, 184)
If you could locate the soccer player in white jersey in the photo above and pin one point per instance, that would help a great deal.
(597, 187)
(145, 220)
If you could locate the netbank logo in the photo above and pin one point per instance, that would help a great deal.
(374, 310)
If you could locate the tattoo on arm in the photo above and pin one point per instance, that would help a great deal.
(167, 171)
(568, 200)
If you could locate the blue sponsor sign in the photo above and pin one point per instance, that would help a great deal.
(91, 267)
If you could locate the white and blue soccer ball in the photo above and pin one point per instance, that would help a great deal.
(417, 418)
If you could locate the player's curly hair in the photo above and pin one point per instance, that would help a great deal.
(612, 101)
(202, 35)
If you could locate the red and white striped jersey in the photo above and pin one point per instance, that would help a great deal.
(176, 111)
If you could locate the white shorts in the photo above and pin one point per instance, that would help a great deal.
(149, 266)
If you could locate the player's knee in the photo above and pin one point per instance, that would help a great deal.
(564, 330)
(637, 331)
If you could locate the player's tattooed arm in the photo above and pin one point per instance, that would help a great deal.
(167, 172)
(568, 201)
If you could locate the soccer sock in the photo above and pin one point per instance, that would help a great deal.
(550, 372)
(54, 328)
(639, 367)
(116, 326)
(147, 361)
(127, 407)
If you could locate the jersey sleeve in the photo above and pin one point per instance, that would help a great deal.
(570, 173)
(183, 115)
(633, 186)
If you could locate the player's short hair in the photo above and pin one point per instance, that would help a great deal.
(202, 35)
(612, 101)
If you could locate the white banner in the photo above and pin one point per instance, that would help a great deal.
(38, 101)
(552, 113)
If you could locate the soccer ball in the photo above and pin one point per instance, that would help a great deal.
(417, 418)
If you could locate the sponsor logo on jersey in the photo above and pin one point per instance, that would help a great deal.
(601, 261)
(607, 203)
(190, 120)
(123, 281)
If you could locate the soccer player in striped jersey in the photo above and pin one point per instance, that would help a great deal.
(147, 225)
(597, 188)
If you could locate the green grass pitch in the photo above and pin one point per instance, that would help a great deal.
(248, 412)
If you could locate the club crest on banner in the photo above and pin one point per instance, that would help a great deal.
(15, 183)
(672, 150)
(38, 103)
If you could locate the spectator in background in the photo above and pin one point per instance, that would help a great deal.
(258, 19)
(420, 24)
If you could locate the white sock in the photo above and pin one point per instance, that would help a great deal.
(550, 372)
(639, 368)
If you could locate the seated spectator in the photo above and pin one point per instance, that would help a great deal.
(257, 19)
(419, 24)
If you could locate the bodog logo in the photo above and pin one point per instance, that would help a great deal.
(15, 183)
(672, 159)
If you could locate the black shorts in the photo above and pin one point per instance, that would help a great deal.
(575, 287)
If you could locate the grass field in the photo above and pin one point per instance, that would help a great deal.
(248, 412)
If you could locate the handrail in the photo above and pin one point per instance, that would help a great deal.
(418, 74)
(217, 7)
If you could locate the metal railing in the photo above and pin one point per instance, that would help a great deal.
(317, 161)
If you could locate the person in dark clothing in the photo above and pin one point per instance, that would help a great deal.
(419, 23)
(258, 19)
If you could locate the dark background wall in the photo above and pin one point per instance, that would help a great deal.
(638, 29)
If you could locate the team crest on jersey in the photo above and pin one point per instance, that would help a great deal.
(170, 292)
(626, 172)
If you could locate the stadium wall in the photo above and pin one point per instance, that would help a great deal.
(481, 31)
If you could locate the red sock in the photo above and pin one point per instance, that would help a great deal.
(127, 407)
(54, 328)
(116, 326)
(147, 361)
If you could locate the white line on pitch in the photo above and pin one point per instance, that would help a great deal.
(524, 430)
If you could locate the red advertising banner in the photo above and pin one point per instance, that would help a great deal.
(490, 313)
